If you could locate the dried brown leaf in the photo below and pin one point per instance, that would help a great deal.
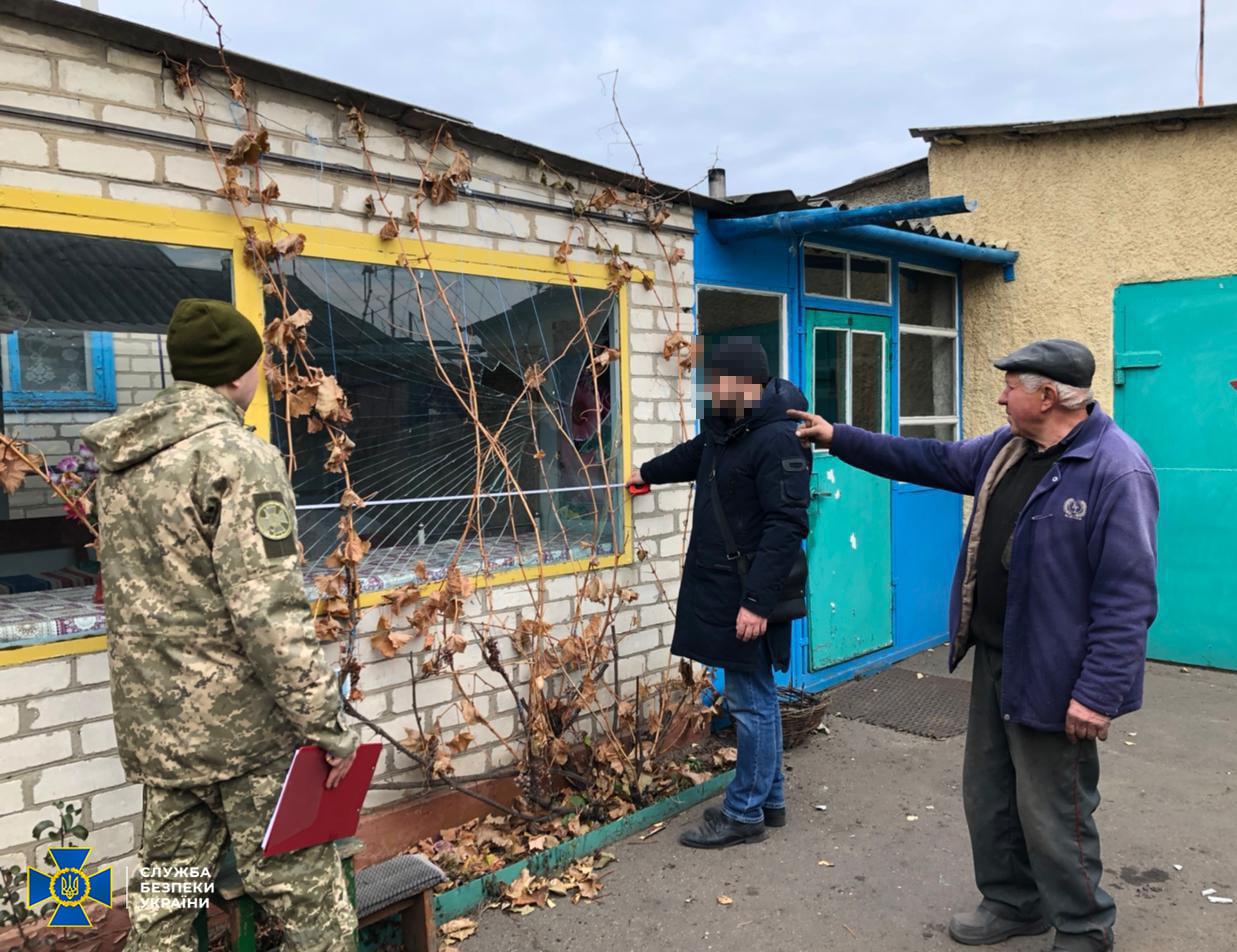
(658, 218)
(249, 148)
(13, 469)
(289, 246)
(604, 199)
(330, 397)
(457, 929)
(534, 377)
(388, 642)
(234, 190)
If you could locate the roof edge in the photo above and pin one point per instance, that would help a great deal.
(878, 178)
(1168, 119)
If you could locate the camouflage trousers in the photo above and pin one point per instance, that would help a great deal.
(184, 832)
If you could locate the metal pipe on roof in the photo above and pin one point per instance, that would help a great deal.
(930, 244)
(806, 221)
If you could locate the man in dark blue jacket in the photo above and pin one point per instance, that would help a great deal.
(1055, 588)
(747, 458)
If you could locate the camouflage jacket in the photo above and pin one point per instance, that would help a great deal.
(215, 669)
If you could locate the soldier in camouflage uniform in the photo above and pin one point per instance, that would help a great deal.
(216, 673)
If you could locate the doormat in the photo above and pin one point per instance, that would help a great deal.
(900, 699)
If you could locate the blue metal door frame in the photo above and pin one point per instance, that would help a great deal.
(774, 264)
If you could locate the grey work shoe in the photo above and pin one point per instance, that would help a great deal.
(982, 927)
(717, 831)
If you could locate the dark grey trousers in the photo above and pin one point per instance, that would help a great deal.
(1029, 798)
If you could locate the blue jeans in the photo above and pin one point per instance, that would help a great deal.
(751, 698)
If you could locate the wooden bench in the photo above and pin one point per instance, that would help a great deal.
(403, 886)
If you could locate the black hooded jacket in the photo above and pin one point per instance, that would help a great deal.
(763, 475)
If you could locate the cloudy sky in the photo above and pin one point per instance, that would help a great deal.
(801, 94)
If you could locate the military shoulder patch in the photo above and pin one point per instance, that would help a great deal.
(274, 524)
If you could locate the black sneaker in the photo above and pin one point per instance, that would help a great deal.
(717, 831)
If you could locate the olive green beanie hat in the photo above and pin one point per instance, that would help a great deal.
(211, 342)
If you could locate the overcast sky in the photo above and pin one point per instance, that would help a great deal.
(801, 94)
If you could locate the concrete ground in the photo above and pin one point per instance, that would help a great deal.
(1169, 799)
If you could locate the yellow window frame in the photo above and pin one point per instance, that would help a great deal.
(110, 218)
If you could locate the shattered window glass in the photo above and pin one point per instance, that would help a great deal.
(485, 418)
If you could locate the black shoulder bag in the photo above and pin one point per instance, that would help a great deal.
(792, 602)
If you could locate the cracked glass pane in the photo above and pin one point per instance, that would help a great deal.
(486, 431)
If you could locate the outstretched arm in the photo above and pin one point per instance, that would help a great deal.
(679, 465)
(953, 466)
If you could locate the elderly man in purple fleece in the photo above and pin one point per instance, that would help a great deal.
(1055, 588)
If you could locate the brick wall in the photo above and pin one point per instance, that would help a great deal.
(54, 728)
(56, 433)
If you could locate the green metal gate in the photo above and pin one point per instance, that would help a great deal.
(1176, 351)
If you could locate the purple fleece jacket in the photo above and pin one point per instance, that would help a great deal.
(1082, 589)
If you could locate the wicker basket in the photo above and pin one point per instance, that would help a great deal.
(801, 714)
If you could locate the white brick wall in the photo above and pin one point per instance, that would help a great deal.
(35, 750)
(98, 737)
(35, 678)
(501, 220)
(113, 85)
(115, 804)
(23, 147)
(72, 707)
(49, 181)
(58, 433)
(25, 69)
(111, 161)
(56, 735)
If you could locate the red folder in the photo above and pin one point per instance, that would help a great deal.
(307, 812)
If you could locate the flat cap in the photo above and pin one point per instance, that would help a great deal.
(1065, 361)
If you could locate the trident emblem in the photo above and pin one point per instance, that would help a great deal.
(69, 887)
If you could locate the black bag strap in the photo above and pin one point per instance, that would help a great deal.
(732, 549)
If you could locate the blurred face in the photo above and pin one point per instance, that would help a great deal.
(734, 394)
(1025, 410)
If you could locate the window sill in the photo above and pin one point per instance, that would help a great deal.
(47, 624)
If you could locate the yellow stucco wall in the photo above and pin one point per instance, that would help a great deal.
(1088, 211)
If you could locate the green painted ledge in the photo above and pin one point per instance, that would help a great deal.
(469, 896)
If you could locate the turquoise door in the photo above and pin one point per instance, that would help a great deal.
(1176, 351)
(850, 595)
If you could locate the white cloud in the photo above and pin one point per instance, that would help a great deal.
(799, 94)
